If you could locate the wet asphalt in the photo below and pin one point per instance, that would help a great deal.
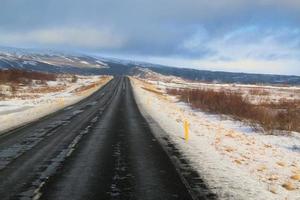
(100, 148)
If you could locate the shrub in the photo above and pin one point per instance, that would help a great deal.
(284, 115)
(74, 79)
(24, 77)
(258, 92)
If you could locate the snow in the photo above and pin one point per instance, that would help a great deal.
(66, 58)
(84, 62)
(273, 93)
(235, 161)
(19, 111)
(101, 63)
(29, 62)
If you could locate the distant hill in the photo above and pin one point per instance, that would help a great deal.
(56, 62)
(227, 77)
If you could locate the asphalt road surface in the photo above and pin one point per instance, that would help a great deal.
(100, 148)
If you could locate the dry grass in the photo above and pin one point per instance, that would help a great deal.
(289, 186)
(214, 101)
(24, 77)
(153, 91)
(85, 87)
(258, 92)
(15, 79)
(101, 81)
(21, 96)
(284, 115)
(47, 89)
(296, 177)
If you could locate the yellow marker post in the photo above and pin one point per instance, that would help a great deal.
(61, 101)
(186, 127)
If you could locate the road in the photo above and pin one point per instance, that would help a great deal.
(100, 148)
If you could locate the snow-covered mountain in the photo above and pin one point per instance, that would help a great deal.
(57, 62)
(11, 58)
(146, 73)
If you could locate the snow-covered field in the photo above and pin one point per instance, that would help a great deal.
(34, 102)
(235, 161)
(256, 93)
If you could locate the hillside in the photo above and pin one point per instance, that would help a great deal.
(55, 62)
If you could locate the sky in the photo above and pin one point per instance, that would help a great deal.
(258, 36)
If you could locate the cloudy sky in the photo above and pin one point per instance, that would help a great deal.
(233, 35)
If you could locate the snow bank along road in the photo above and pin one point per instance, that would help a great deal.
(100, 148)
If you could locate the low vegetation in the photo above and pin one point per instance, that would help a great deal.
(283, 115)
(83, 88)
(155, 91)
(24, 77)
(12, 82)
(257, 91)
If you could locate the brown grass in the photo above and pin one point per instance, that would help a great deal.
(153, 91)
(284, 115)
(258, 92)
(21, 96)
(47, 89)
(86, 87)
(92, 85)
(24, 77)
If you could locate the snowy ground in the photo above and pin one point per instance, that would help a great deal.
(255, 93)
(235, 161)
(32, 103)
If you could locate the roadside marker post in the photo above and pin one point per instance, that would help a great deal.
(62, 101)
(186, 127)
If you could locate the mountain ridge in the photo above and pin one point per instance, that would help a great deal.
(56, 62)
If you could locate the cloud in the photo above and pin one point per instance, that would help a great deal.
(235, 35)
(287, 67)
(81, 37)
(248, 48)
(252, 48)
(259, 43)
